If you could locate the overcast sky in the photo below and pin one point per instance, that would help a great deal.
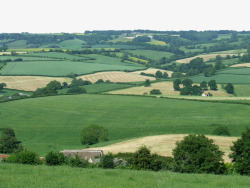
(55, 16)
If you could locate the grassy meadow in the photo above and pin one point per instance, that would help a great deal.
(16, 175)
(152, 54)
(55, 123)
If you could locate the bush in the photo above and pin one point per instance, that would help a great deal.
(221, 131)
(155, 92)
(78, 162)
(93, 134)
(107, 161)
(55, 158)
(144, 160)
(76, 90)
(24, 157)
(198, 154)
(241, 153)
(8, 142)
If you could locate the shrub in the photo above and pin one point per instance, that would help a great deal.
(144, 160)
(78, 162)
(241, 153)
(55, 158)
(222, 131)
(99, 81)
(24, 157)
(107, 161)
(76, 90)
(93, 134)
(198, 154)
(8, 142)
(155, 92)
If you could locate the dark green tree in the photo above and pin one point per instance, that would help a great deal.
(76, 90)
(186, 90)
(196, 90)
(155, 92)
(93, 134)
(8, 141)
(165, 75)
(176, 84)
(2, 85)
(187, 83)
(55, 158)
(212, 84)
(203, 85)
(241, 153)
(107, 161)
(229, 88)
(158, 75)
(198, 154)
(100, 81)
(147, 83)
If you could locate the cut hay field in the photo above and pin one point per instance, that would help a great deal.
(17, 175)
(153, 71)
(116, 76)
(233, 75)
(242, 65)
(152, 54)
(61, 68)
(55, 123)
(166, 88)
(206, 57)
(29, 83)
(164, 144)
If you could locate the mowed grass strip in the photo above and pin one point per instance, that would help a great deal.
(164, 144)
(55, 123)
(30, 83)
(17, 175)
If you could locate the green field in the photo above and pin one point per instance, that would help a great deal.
(98, 88)
(152, 54)
(16, 175)
(242, 90)
(10, 92)
(25, 58)
(55, 123)
(233, 75)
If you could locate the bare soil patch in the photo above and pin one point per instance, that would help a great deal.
(116, 76)
(29, 83)
(164, 144)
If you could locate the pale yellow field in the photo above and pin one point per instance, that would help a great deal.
(8, 53)
(29, 83)
(163, 144)
(242, 65)
(205, 57)
(115, 76)
(166, 88)
(153, 71)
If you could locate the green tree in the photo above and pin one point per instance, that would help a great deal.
(107, 161)
(99, 81)
(198, 154)
(144, 160)
(147, 83)
(203, 85)
(158, 75)
(187, 83)
(229, 88)
(241, 153)
(8, 141)
(55, 158)
(2, 85)
(24, 157)
(196, 90)
(155, 92)
(212, 84)
(165, 75)
(186, 90)
(93, 134)
(176, 84)
(76, 90)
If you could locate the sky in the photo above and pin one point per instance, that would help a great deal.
(76, 16)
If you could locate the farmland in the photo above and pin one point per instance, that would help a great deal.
(58, 127)
(155, 55)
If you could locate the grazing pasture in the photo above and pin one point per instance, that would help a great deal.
(152, 54)
(17, 175)
(55, 123)
(29, 83)
(116, 76)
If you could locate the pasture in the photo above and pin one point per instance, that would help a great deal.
(152, 54)
(16, 175)
(116, 76)
(55, 122)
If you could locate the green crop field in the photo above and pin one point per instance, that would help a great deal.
(55, 123)
(242, 90)
(155, 55)
(17, 44)
(233, 75)
(16, 175)
(24, 58)
(10, 92)
(98, 88)
(72, 44)
(63, 68)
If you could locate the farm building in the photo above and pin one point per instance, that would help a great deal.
(3, 156)
(89, 155)
(205, 94)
